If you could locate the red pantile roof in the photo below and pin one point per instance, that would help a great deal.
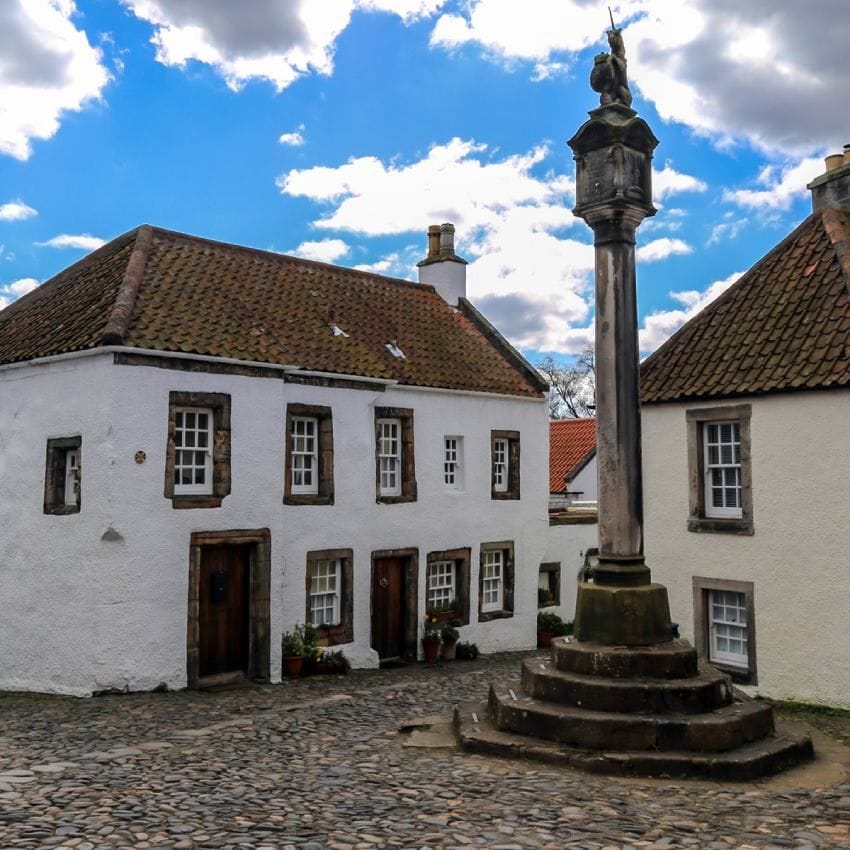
(785, 325)
(572, 443)
(156, 289)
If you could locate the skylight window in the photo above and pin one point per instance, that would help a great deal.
(393, 349)
(336, 329)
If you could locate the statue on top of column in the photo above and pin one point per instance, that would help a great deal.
(608, 76)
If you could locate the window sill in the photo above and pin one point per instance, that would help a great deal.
(307, 499)
(711, 525)
(394, 500)
(334, 635)
(190, 502)
(61, 510)
(740, 676)
(499, 495)
(485, 617)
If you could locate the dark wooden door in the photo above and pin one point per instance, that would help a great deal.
(223, 610)
(388, 607)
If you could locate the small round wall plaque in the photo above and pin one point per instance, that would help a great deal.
(140, 457)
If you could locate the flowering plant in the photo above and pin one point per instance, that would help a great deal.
(432, 631)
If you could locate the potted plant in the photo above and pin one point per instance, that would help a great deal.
(449, 636)
(292, 649)
(549, 624)
(430, 639)
(466, 651)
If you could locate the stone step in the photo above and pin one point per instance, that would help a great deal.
(708, 690)
(675, 659)
(773, 754)
(725, 728)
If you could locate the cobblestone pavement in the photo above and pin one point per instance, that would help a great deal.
(320, 765)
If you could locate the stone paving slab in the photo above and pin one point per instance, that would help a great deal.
(320, 764)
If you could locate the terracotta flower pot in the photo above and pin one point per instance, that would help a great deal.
(431, 649)
(449, 650)
(292, 665)
(544, 639)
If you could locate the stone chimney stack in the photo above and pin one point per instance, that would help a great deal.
(832, 189)
(442, 268)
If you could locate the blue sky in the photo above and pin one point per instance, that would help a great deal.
(340, 129)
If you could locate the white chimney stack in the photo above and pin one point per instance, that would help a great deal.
(442, 268)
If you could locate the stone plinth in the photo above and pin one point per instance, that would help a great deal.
(631, 616)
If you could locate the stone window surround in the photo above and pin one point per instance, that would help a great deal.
(462, 560)
(342, 632)
(219, 403)
(697, 520)
(325, 454)
(408, 463)
(508, 574)
(552, 569)
(259, 628)
(701, 587)
(411, 595)
(512, 491)
(54, 475)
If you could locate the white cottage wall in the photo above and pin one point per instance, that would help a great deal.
(567, 544)
(123, 610)
(62, 587)
(585, 482)
(797, 558)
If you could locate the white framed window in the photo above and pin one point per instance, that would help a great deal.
(500, 465)
(441, 585)
(492, 580)
(193, 450)
(722, 468)
(453, 463)
(325, 578)
(727, 613)
(305, 454)
(389, 457)
(72, 476)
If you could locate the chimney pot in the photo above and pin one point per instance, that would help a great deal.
(447, 240)
(433, 241)
(834, 160)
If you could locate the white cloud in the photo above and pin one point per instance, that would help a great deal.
(324, 250)
(668, 182)
(295, 138)
(726, 229)
(277, 41)
(534, 32)
(16, 211)
(767, 72)
(83, 241)
(660, 249)
(781, 189)
(47, 67)
(523, 271)
(659, 326)
(15, 290)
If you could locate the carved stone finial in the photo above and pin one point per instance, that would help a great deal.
(609, 76)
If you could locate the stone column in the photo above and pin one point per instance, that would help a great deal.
(613, 152)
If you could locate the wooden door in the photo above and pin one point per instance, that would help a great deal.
(223, 616)
(388, 607)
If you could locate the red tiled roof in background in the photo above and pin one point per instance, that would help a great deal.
(571, 444)
(785, 325)
(155, 289)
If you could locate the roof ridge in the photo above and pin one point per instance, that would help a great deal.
(122, 310)
(278, 256)
(840, 239)
(724, 296)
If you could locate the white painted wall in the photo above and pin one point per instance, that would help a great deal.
(585, 482)
(567, 544)
(799, 556)
(82, 614)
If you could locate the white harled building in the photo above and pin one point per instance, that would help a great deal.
(203, 445)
